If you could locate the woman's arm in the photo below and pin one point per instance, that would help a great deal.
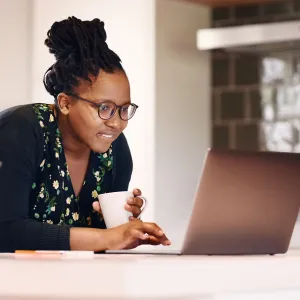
(90, 239)
(21, 146)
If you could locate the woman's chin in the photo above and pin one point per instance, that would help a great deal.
(101, 148)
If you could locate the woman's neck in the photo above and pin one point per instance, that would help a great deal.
(72, 147)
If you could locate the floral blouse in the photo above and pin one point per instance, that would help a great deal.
(52, 197)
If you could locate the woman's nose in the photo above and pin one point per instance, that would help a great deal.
(115, 121)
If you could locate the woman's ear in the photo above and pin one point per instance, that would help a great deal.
(63, 102)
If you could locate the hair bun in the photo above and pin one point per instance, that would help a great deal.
(70, 36)
(81, 51)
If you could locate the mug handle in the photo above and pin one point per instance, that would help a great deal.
(143, 207)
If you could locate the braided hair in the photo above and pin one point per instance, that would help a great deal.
(80, 50)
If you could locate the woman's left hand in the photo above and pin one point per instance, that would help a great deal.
(134, 204)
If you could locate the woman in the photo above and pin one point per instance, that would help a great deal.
(57, 158)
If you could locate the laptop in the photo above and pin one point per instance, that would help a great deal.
(246, 203)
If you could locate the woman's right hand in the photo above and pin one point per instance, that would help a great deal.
(133, 234)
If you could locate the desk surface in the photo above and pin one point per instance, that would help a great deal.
(137, 276)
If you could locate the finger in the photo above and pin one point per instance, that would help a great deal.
(145, 238)
(139, 234)
(154, 230)
(151, 240)
(96, 206)
(137, 192)
(134, 209)
(139, 202)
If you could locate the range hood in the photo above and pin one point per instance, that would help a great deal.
(270, 37)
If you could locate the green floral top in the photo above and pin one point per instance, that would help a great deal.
(53, 200)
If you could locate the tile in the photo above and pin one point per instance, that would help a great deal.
(296, 5)
(232, 105)
(220, 136)
(246, 11)
(225, 23)
(247, 137)
(278, 136)
(255, 104)
(267, 93)
(295, 68)
(286, 101)
(220, 72)
(277, 8)
(295, 133)
(273, 70)
(219, 54)
(220, 13)
(247, 70)
(214, 105)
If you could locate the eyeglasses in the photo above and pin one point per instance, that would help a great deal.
(107, 109)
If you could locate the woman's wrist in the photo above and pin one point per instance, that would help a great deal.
(89, 239)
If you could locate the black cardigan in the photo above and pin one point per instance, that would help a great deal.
(21, 152)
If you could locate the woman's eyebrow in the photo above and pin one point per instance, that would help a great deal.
(99, 101)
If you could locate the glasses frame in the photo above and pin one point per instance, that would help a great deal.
(98, 105)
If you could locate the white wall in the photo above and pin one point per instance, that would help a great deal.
(15, 63)
(130, 27)
(182, 112)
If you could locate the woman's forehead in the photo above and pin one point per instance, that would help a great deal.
(107, 86)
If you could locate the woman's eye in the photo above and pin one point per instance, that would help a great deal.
(125, 108)
(104, 107)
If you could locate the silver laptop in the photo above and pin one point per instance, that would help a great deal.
(246, 203)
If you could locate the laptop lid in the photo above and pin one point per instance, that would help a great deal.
(246, 203)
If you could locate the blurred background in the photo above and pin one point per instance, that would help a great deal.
(200, 76)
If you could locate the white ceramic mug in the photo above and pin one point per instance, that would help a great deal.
(113, 210)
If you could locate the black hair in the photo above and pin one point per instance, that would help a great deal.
(80, 50)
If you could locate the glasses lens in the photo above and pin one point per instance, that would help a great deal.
(106, 110)
(127, 111)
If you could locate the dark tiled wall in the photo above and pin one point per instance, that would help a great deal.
(236, 98)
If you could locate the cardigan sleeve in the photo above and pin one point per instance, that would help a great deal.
(21, 144)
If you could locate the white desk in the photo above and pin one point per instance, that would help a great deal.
(152, 277)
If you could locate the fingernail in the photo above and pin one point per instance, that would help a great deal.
(130, 200)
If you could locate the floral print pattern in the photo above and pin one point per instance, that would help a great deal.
(53, 200)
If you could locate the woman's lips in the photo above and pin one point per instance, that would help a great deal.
(108, 136)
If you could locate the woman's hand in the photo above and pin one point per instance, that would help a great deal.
(134, 234)
(133, 204)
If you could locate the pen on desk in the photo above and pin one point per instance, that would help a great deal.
(79, 254)
(37, 252)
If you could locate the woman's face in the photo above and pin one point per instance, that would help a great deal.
(82, 117)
